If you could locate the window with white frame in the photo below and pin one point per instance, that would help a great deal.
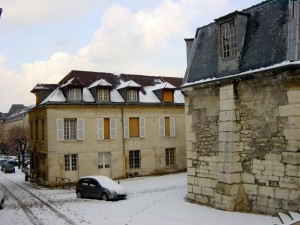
(70, 129)
(134, 127)
(74, 94)
(71, 162)
(104, 160)
(106, 128)
(167, 126)
(132, 95)
(134, 159)
(170, 156)
(228, 40)
(102, 95)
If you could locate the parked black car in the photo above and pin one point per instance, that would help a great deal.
(13, 162)
(100, 187)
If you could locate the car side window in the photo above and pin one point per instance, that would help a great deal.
(84, 182)
(94, 183)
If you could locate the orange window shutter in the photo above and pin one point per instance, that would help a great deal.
(106, 128)
(134, 127)
(168, 96)
(167, 126)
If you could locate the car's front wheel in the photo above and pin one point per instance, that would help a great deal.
(104, 197)
(1, 204)
(79, 194)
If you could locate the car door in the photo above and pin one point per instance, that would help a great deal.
(85, 187)
(95, 188)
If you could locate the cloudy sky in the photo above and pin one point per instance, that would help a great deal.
(41, 40)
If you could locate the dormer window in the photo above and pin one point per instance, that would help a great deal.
(132, 95)
(228, 39)
(168, 96)
(102, 95)
(74, 94)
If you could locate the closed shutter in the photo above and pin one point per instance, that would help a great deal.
(172, 126)
(113, 128)
(80, 129)
(126, 127)
(161, 126)
(100, 133)
(60, 129)
(142, 126)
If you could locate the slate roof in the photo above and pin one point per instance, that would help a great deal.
(88, 80)
(16, 111)
(265, 43)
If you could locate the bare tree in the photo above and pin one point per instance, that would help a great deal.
(18, 138)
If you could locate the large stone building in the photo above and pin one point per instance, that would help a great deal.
(99, 123)
(242, 110)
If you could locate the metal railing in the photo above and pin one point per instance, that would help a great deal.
(63, 183)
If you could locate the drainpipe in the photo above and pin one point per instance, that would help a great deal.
(123, 143)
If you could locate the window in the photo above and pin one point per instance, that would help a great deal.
(71, 162)
(74, 94)
(43, 130)
(70, 129)
(134, 159)
(106, 128)
(167, 126)
(132, 95)
(36, 130)
(134, 127)
(104, 160)
(103, 95)
(228, 39)
(31, 131)
(170, 156)
(168, 96)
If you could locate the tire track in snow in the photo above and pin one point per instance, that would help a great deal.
(34, 219)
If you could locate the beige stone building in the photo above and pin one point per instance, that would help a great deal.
(242, 110)
(94, 123)
(15, 117)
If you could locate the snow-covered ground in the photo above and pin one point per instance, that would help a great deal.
(155, 200)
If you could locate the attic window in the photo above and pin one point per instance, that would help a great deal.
(74, 94)
(132, 95)
(228, 40)
(103, 95)
(168, 96)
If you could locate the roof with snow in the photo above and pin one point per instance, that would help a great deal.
(147, 87)
(263, 43)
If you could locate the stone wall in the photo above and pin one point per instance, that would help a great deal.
(243, 142)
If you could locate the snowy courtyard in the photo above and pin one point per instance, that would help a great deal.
(158, 200)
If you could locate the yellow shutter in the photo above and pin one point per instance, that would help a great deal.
(134, 127)
(167, 126)
(106, 128)
(168, 96)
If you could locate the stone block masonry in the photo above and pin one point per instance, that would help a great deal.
(243, 148)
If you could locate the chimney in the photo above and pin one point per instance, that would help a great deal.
(189, 43)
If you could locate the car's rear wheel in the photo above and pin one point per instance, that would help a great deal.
(79, 194)
(104, 197)
(1, 204)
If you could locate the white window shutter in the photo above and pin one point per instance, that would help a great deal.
(60, 129)
(100, 132)
(80, 128)
(126, 127)
(172, 126)
(142, 126)
(161, 126)
(113, 128)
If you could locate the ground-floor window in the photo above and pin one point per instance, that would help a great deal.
(103, 160)
(134, 159)
(71, 162)
(170, 156)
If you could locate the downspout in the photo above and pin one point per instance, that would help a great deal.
(123, 143)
